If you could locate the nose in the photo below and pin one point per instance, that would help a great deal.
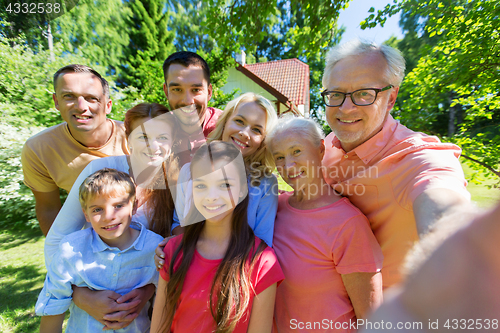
(213, 194)
(188, 98)
(348, 104)
(245, 132)
(109, 214)
(290, 165)
(82, 104)
(155, 145)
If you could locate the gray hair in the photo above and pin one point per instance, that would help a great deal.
(396, 64)
(305, 128)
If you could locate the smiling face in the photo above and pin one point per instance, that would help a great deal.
(110, 217)
(246, 128)
(216, 194)
(354, 124)
(80, 99)
(298, 161)
(187, 86)
(150, 142)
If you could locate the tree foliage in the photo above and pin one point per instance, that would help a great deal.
(98, 31)
(242, 23)
(462, 64)
(280, 29)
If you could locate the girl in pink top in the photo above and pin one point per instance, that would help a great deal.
(324, 244)
(217, 277)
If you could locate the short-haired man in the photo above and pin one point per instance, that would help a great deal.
(188, 89)
(54, 158)
(403, 181)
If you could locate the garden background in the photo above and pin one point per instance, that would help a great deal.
(452, 87)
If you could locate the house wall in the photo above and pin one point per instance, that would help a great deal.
(236, 79)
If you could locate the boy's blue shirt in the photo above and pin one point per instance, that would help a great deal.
(84, 260)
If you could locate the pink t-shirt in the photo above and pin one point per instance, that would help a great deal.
(193, 311)
(314, 247)
(384, 175)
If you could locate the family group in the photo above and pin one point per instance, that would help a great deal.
(174, 221)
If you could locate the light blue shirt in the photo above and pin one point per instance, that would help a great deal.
(70, 218)
(84, 260)
(262, 204)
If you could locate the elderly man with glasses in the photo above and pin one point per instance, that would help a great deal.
(403, 181)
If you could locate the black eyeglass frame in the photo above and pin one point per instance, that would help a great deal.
(324, 93)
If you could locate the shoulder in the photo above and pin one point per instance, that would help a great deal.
(151, 238)
(52, 133)
(214, 111)
(405, 141)
(119, 126)
(266, 182)
(267, 255)
(172, 245)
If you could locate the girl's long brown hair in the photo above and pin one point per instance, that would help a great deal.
(158, 198)
(231, 287)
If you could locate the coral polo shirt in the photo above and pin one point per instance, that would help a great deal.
(384, 175)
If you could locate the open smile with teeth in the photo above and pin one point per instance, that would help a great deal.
(213, 208)
(82, 117)
(239, 143)
(348, 121)
(111, 227)
(296, 175)
(188, 109)
(153, 155)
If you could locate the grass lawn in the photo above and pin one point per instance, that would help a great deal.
(22, 272)
(481, 194)
(22, 269)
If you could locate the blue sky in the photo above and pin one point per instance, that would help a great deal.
(357, 12)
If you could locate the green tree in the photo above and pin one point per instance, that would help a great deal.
(239, 23)
(97, 30)
(150, 43)
(463, 64)
(283, 29)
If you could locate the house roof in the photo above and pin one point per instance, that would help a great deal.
(288, 78)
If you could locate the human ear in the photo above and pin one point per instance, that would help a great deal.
(86, 216)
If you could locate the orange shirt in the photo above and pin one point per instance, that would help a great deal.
(53, 159)
(384, 175)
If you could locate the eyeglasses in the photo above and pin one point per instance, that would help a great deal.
(360, 97)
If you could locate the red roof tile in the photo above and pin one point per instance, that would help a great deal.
(290, 77)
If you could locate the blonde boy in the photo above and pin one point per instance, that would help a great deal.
(115, 254)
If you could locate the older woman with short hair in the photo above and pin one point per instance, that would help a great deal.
(325, 246)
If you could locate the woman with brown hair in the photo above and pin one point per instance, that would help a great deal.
(150, 129)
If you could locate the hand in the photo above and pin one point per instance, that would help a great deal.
(134, 302)
(159, 254)
(100, 303)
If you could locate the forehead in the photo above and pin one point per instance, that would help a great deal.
(86, 81)
(365, 70)
(158, 124)
(111, 193)
(202, 170)
(252, 112)
(179, 75)
(285, 141)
